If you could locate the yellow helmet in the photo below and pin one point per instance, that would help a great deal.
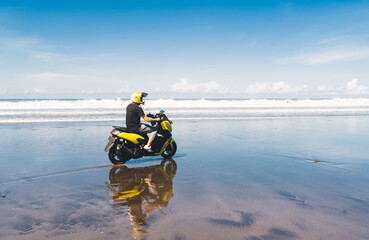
(136, 97)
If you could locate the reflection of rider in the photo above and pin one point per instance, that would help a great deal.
(133, 114)
(142, 190)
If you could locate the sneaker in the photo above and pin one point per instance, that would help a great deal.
(147, 148)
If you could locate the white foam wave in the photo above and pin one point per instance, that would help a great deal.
(189, 111)
(114, 109)
(172, 103)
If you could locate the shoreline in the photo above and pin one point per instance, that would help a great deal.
(185, 119)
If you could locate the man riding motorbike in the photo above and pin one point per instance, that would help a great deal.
(133, 114)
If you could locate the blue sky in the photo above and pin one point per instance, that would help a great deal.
(68, 49)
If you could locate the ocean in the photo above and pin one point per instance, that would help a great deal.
(99, 110)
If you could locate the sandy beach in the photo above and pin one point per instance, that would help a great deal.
(230, 179)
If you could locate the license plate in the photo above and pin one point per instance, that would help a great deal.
(110, 143)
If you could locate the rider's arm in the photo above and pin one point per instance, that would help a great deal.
(149, 119)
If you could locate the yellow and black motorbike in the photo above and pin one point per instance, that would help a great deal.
(124, 145)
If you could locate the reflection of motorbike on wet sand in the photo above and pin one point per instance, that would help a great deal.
(141, 190)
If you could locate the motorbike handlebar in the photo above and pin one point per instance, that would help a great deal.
(161, 116)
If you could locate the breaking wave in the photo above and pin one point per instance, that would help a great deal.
(12, 111)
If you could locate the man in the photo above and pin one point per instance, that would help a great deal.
(133, 114)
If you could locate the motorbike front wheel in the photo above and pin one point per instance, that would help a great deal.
(114, 158)
(170, 167)
(170, 150)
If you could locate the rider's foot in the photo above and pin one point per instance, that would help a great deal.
(147, 148)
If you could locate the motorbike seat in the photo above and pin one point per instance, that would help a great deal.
(123, 129)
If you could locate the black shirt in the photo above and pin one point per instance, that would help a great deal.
(133, 114)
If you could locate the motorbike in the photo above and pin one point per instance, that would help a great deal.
(124, 145)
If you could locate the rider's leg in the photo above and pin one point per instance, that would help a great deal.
(148, 129)
(151, 138)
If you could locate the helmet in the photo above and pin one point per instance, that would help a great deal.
(136, 97)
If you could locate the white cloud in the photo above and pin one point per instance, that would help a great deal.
(47, 56)
(324, 88)
(37, 90)
(208, 87)
(276, 87)
(330, 54)
(330, 40)
(37, 49)
(124, 89)
(352, 87)
(50, 76)
(183, 86)
(90, 91)
(16, 43)
(51, 57)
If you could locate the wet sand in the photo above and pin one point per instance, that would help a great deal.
(238, 179)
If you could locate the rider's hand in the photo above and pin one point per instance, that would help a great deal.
(157, 119)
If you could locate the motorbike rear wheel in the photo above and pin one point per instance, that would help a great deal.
(114, 158)
(170, 150)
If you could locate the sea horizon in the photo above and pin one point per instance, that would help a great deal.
(187, 98)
